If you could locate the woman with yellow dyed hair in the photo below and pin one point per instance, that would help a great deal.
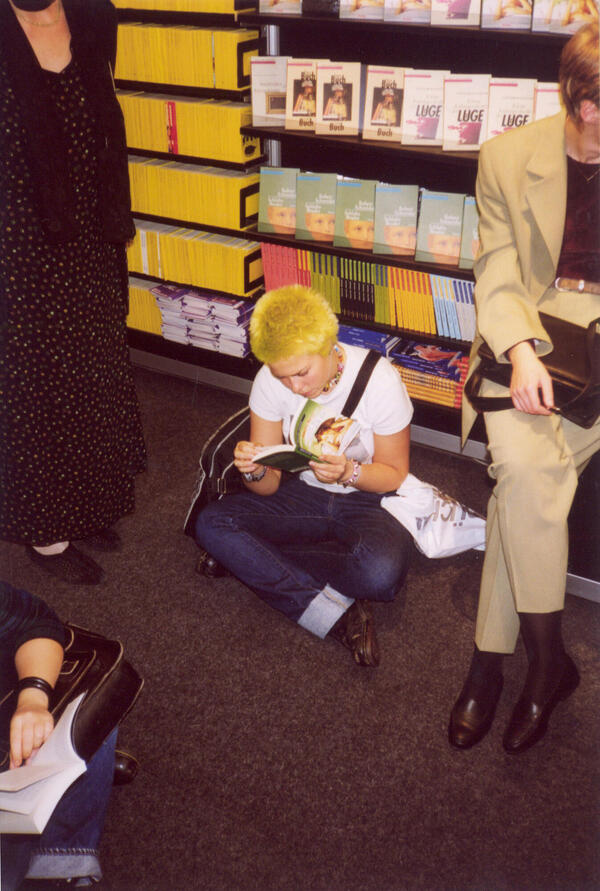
(316, 545)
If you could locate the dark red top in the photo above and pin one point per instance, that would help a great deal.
(580, 251)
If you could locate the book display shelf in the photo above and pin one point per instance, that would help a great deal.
(191, 169)
(467, 50)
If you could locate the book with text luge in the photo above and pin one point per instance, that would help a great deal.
(29, 794)
(314, 432)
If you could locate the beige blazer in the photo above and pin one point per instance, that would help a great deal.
(521, 197)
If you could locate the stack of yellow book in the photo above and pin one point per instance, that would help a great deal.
(144, 314)
(220, 7)
(205, 195)
(192, 257)
(204, 128)
(207, 58)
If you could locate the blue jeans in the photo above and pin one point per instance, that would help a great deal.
(307, 552)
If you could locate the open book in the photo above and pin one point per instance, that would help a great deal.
(314, 432)
(29, 794)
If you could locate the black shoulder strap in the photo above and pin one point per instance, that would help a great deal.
(362, 379)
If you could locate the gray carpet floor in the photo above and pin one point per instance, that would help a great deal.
(270, 761)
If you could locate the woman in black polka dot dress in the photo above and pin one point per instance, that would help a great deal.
(70, 435)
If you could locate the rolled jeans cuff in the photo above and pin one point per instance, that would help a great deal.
(324, 610)
(64, 864)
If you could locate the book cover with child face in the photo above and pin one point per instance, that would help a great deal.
(396, 219)
(355, 214)
(315, 206)
(277, 200)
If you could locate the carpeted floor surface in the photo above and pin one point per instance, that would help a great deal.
(270, 761)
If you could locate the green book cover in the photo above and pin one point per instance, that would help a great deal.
(469, 241)
(396, 209)
(439, 227)
(355, 213)
(277, 200)
(315, 206)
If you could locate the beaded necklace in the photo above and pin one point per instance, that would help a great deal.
(340, 368)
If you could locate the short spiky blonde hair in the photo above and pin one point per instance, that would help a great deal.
(292, 321)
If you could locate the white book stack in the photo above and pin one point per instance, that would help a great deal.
(169, 299)
(511, 104)
(423, 107)
(455, 13)
(547, 100)
(268, 79)
(465, 111)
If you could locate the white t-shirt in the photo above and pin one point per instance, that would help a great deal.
(385, 407)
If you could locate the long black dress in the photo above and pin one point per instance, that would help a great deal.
(70, 434)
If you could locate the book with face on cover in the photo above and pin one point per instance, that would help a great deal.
(301, 94)
(362, 9)
(314, 432)
(465, 111)
(396, 209)
(506, 14)
(547, 100)
(355, 213)
(268, 79)
(412, 11)
(469, 239)
(277, 200)
(455, 12)
(439, 227)
(423, 107)
(339, 96)
(510, 104)
(563, 16)
(315, 206)
(383, 103)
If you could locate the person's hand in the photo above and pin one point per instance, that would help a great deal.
(243, 454)
(30, 726)
(331, 468)
(530, 381)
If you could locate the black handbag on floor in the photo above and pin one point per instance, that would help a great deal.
(93, 665)
(573, 364)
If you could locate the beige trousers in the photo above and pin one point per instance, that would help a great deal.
(536, 460)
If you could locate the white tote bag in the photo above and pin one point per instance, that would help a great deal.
(439, 525)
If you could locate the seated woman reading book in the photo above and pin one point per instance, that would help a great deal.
(316, 545)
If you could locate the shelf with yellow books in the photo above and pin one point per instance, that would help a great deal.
(195, 12)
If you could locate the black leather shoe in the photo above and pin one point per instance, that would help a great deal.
(208, 566)
(356, 631)
(474, 711)
(126, 768)
(70, 566)
(529, 721)
(105, 540)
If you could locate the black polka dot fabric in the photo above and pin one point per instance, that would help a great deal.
(70, 435)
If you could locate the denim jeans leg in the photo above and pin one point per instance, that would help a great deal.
(68, 846)
(246, 533)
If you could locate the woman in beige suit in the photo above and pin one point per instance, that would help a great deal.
(538, 191)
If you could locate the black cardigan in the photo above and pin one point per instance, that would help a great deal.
(93, 26)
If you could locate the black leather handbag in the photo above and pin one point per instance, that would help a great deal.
(573, 364)
(93, 665)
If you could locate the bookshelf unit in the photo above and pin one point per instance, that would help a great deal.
(466, 50)
(152, 350)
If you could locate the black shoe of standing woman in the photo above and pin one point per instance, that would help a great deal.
(105, 540)
(474, 711)
(69, 566)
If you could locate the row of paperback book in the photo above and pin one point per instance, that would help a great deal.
(430, 373)
(365, 291)
(188, 316)
(178, 125)
(194, 257)
(424, 107)
(558, 16)
(210, 196)
(207, 58)
(366, 215)
(218, 7)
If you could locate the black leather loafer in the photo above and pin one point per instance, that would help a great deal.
(529, 721)
(208, 566)
(356, 631)
(70, 566)
(474, 711)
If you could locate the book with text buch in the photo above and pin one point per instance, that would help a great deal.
(314, 432)
(29, 794)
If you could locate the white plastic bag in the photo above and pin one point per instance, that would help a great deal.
(439, 525)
